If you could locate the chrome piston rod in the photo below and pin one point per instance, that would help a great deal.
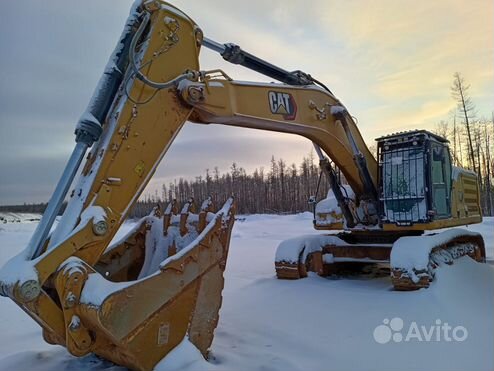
(39, 237)
(213, 45)
(88, 131)
(234, 54)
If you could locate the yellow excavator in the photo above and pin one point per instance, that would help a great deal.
(135, 300)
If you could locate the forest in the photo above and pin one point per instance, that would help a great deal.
(280, 189)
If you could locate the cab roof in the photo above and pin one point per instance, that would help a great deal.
(409, 133)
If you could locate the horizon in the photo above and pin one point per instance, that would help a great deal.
(193, 179)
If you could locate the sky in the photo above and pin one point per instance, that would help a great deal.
(391, 62)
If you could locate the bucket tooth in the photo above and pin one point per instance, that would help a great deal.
(184, 216)
(172, 209)
(157, 211)
(206, 207)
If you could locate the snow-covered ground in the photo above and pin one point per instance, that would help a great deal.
(6, 217)
(316, 323)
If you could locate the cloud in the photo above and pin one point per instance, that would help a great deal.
(411, 116)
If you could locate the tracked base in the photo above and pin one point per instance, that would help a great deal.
(412, 259)
(327, 254)
(443, 248)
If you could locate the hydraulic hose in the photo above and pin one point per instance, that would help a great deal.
(135, 67)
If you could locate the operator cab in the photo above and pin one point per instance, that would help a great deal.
(414, 177)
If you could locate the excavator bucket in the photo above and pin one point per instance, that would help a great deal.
(161, 283)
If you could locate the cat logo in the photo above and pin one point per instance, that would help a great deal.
(282, 104)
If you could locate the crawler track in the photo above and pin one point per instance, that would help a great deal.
(445, 253)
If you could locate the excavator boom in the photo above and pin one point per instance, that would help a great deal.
(132, 301)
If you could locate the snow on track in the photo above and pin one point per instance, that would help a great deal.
(310, 324)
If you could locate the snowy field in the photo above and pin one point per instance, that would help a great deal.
(336, 323)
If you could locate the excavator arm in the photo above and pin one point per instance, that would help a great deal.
(309, 111)
(132, 301)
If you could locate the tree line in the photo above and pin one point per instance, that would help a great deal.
(471, 138)
(280, 189)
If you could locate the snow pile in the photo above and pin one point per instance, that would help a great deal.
(157, 244)
(290, 250)
(97, 289)
(328, 211)
(96, 213)
(185, 356)
(49, 358)
(18, 269)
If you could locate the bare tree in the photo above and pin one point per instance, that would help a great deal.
(488, 161)
(442, 129)
(459, 91)
(457, 154)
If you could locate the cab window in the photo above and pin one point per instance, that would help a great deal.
(441, 179)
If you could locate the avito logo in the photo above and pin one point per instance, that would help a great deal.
(395, 330)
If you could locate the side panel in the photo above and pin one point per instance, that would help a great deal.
(465, 195)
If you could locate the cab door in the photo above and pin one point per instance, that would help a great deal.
(440, 175)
